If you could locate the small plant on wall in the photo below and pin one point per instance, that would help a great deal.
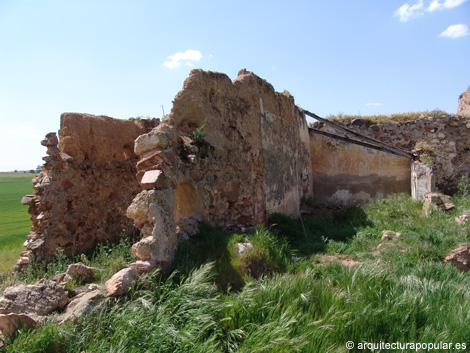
(425, 153)
(198, 134)
(198, 140)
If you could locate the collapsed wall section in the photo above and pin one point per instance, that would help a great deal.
(229, 152)
(344, 173)
(464, 104)
(85, 186)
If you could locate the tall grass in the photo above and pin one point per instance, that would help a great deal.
(320, 310)
(399, 293)
(269, 254)
(108, 257)
(314, 310)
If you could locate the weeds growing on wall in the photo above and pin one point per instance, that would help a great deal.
(198, 134)
(401, 292)
(384, 119)
(426, 153)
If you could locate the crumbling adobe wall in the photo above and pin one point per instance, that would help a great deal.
(464, 104)
(85, 186)
(252, 160)
(344, 173)
(448, 137)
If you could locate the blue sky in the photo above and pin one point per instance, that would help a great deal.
(128, 58)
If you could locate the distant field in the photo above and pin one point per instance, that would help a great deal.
(14, 217)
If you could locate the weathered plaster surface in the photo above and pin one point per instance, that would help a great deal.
(345, 173)
(423, 180)
(447, 136)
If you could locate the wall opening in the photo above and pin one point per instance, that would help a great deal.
(188, 210)
(188, 202)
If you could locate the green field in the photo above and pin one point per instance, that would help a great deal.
(14, 217)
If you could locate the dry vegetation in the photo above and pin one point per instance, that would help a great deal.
(384, 119)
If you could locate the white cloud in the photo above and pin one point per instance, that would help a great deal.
(374, 104)
(188, 56)
(447, 4)
(407, 12)
(172, 64)
(455, 31)
(434, 5)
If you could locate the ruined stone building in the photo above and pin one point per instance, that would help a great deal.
(229, 153)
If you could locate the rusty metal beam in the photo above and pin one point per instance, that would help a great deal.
(356, 142)
(383, 146)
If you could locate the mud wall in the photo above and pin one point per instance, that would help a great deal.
(464, 104)
(85, 186)
(252, 160)
(447, 136)
(344, 173)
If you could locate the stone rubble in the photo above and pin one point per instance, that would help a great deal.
(459, 257)
(35, 299)
(390, 235)
(81, 304)
(243, 248)
(11, 323)
(436, 201)
(78, 272)
(463, 218)
(121, 281)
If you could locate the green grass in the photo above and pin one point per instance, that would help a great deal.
(107, 257)
(14, 218)
(268, 301)
(269, 254)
